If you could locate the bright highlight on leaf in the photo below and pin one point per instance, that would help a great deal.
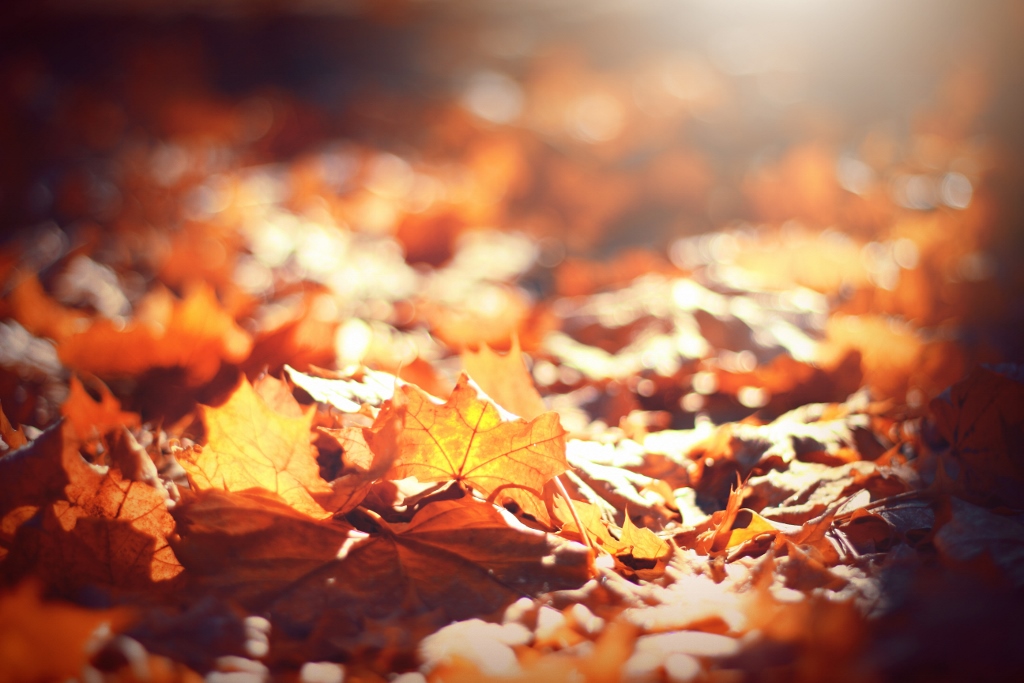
(466, 439)
(248, 445)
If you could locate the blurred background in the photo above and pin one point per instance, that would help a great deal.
(862, 158)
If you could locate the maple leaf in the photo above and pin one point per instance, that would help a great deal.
(91, 419)
(110, 532)
(194, 333)
(505, 379)
(50, 641)
(37, 473)
(467, 439)
(250, 445)
(462, 557)
(982, 418)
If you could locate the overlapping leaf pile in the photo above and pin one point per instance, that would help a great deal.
(255, 426)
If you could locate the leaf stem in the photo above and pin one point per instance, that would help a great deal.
(575, 515)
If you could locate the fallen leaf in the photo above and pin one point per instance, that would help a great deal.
(31, 306)
(249, 445)
(348, 394)
(37, 473)
(194, 333)
(91, 419)
(109, 532)
(644, 552)
(972, 532)
(49, 640)
(462, 557)
(13, 438)
(505, 379)
(982, 418)
(467, 439)
(596, 527)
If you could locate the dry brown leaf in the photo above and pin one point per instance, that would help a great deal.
(982, 418)
(462, 557)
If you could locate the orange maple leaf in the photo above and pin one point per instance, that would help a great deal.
(250, 445)
(91, 419)
(109, 531)
(467, 439)
(194, 333)
(505, 379)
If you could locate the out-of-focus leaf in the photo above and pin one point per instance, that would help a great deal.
(48, 640)
(13, 438)
(972, 533)
(505, 379)
(194, 333)
(91, 419)
(982, 418)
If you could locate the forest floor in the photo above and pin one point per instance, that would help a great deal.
(438, 389)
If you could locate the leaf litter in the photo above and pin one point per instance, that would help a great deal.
(325, 430)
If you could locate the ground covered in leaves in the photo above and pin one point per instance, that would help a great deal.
(405, 393)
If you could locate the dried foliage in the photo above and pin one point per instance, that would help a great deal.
(288, 409)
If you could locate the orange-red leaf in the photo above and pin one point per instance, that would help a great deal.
(110, 531)
(13, 438)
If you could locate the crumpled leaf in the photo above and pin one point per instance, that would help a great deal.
(467, 439)
(249, 445)
(596, 527)
(643, 551)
